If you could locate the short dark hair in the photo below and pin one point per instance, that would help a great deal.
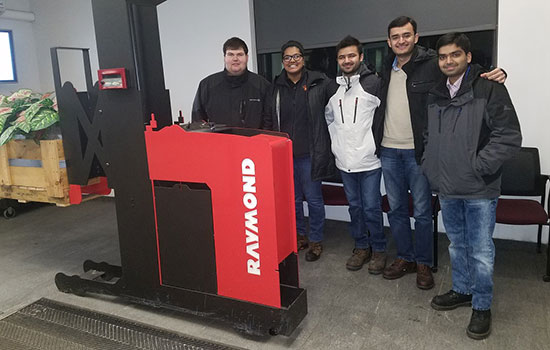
(349, 41)
(293, 43)
(460, 39)
(234, 43)
(400, 22)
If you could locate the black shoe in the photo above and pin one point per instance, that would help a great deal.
(302, 242)
(480, 324)
(314, 252)
(451, 300)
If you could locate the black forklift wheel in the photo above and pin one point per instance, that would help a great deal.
(69, 284)
(9, 212)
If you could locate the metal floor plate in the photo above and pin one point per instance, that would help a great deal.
(50, 325)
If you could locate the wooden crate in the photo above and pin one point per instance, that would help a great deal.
(31, 172)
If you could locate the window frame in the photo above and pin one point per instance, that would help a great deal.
(12, 51)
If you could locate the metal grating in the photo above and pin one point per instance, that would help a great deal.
(50, 325)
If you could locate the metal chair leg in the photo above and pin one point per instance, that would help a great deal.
(435, 243)
(539, 239)
(546, 278)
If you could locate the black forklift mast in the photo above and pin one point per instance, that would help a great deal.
(103, 130)
(104, 133)
(127, 36)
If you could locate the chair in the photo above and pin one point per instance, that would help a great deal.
(335, 195)
(521, 177)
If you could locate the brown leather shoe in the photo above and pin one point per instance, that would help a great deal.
(377, 263)
(424, 277)
(314, 252)
(399, 268)
(359, 257)
(302, 242)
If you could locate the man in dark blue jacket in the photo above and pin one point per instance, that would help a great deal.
(472, 129)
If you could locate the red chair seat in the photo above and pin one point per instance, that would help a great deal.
(520, 212)
(334, 195)
(386, 204)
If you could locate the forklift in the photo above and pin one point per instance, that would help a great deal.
(205, 214)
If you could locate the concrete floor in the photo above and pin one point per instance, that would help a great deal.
(347, 310)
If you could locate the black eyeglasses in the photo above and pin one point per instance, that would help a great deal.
(295, 57)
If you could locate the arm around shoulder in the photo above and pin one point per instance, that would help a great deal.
(497, 74)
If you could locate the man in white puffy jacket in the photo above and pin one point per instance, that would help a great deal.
(350, 114)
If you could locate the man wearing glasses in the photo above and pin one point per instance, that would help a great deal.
(234, 96)
(299, 98)
(409, 73)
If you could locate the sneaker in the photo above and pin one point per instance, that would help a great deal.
(399, 268)
(359, 257)
(424, 277)
(314, 252)
(480, 324)
(377, 263)
(302, 242)
(451, 300)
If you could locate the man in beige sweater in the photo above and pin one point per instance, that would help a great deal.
(410, 72)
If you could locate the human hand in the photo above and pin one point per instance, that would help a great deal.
(496, 74)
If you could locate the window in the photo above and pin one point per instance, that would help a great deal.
(7, 60)
(324, 59)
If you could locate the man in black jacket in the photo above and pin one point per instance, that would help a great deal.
(234, 96)
(472, 129)
(408, 75)
(298, 109)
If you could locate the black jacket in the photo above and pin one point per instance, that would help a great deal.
(293, 112)
(241, 101)
(319, 88)
(422, 74)
(469, 137)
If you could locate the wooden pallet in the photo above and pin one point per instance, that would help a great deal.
(31, 172)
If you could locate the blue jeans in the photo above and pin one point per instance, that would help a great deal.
(365, 208)
(401, 174)
(311, 191)
(470, 224)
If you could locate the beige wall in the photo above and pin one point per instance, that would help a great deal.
(523, 53)
(66, 23)
(26, 61)
(192, 34)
